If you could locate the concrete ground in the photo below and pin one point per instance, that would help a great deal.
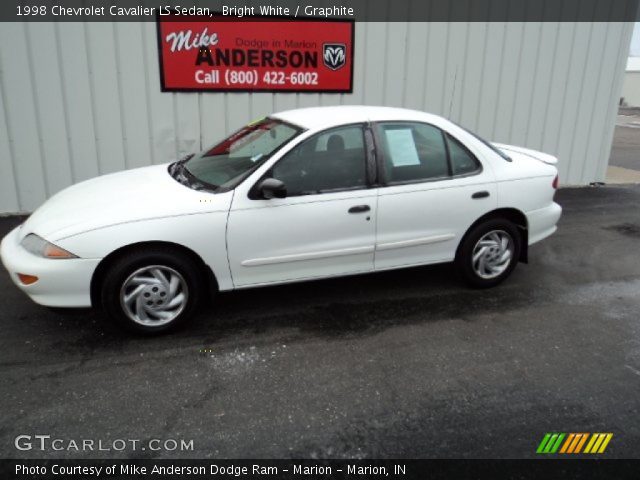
(401, 364)
(624, 162)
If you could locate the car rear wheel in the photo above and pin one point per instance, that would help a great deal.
(152, 291)
(489, 253)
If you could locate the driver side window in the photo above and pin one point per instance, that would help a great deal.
(329, 161)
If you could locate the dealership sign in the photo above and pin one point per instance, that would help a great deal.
(259, 54)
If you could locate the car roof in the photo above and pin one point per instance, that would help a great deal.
(316, 118)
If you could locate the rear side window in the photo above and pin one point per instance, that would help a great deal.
(463, 161)
(412, 152)
(415, 152)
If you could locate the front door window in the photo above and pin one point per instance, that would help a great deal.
(328, 162)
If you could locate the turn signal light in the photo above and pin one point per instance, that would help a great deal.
(52, 251)
(27, 279)
(555, 183)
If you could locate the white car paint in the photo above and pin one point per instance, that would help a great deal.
(249, 242)
(298, 238)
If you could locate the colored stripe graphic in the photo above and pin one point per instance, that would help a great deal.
(581, 442)
(605, 442)
(555, 447)
(576, 438)
(550, 443)
(598, 442)
(543, 443)
(569, 443)
(593, 439)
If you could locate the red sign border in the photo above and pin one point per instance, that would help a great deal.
(164, 88)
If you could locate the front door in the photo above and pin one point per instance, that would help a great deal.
(324, 227)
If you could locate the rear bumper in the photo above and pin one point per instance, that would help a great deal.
(61, 283)
(542, 222)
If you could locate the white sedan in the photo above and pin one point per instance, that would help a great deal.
(300, 195)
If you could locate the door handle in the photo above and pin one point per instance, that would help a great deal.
(359, 209)
(483, 194)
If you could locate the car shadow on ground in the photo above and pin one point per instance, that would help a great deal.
(332, 308)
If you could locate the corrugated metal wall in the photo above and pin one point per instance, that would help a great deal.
(79, 100)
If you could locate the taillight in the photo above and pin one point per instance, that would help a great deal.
(555, 183)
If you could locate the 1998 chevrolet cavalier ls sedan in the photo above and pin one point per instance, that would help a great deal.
(304, 194)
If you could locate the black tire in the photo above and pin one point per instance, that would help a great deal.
(464, 258)
(192, 283)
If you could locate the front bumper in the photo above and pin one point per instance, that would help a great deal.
(61, 283)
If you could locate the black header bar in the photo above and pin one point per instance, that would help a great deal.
(359, 10)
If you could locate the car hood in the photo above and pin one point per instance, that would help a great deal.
(542, 157)
(128, 196)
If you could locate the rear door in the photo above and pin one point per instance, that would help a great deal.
(433, 188)
(324, 227)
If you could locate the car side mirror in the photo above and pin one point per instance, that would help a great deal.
(272, 188)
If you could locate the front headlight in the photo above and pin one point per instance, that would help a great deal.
(39, 246)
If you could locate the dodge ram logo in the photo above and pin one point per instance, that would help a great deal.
(334, 55)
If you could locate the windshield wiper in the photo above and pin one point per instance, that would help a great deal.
(181, 174)
(176, 168)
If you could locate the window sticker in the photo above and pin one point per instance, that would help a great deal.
(402, 149)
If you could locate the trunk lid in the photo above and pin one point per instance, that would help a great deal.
(540, 156)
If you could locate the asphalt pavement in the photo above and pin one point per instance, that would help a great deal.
(400, 364)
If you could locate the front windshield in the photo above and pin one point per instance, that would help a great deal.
(224, 165)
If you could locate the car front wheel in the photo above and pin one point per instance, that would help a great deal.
(152, 291)
(489, 253)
